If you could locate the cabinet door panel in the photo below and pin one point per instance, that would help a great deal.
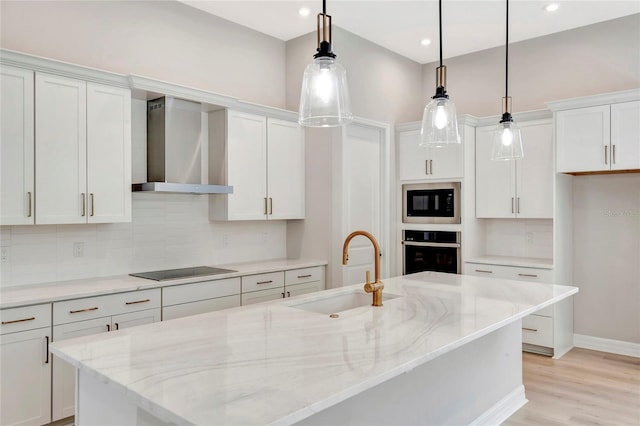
(305, 288)
(108, 154)
(61, 157)
(133, 319)
(495, 180)
(583, 138)
(247, 165)
(625, 136)
(25, 383)
(445, 162)
(412, 158)
(16, 147)
(285, 170)
(262, 296)
(535, 172)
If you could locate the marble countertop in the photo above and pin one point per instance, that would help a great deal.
(273, 363)
(525, 262)
(34, 294)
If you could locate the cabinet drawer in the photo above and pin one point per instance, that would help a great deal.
(537, 330)
(531, 274)
(200, 307)
(81, 309)
(25, 318)
(262, 296)
(262, 281)
(178, 294)
(306, 275)
(122, 303)
(509, 272)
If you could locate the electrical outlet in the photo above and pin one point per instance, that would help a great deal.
(78, 249)
(225, 240)
(529, 237)
(5, 254)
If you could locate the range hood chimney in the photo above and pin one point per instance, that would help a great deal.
(174, 155)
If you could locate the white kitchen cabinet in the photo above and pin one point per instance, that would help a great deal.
(263, 159)
(419, 163)
(598, 138)
(25, 362)
(522, 188)
(93, 315)
(83, 151)
(197, 298)
(548, 331)
(278, 285)
(17, 187)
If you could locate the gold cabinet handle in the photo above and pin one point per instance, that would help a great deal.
(430, 167)
(95, 308)
(270, 205)
(265, 282)
(606, 152)
(613, 154)
(426, 167)
(530, 329)
(18, 320)
(484, 271)
(512, 208)
(92, 206)
(84, 202)
(528, 275)
(29, 205)
(137, 301)
(304, 276)
(265, 205)
(518, 205)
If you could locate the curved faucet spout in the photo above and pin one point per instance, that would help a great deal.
(377, 286)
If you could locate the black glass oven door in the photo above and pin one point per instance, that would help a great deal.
(419, 258)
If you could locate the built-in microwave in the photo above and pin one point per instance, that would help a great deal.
(433, 202)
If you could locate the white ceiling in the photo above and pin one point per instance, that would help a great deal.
(468, 25)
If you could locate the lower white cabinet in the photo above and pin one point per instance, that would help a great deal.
(198, 298)
(93, 315)
(548, 331)
(25, 363)
(278, 285)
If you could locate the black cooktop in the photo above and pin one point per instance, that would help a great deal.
(173, 274)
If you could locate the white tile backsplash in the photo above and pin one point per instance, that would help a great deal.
(167, 231)
(519, 238)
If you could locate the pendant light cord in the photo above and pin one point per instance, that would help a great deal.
(324, 7)
(506, 72)
(440, 27)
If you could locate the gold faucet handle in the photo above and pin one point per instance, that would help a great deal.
(368, 274)
(371, 287)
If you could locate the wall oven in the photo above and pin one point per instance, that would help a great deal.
(431, 202)
(430, 251)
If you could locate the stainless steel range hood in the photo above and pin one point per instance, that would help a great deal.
(174, 149)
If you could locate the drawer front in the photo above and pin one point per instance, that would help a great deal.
(187, 293)
(509, 272)
(25, 318)
(484, 270)
(133, 301)
(81, 309)
(262, 281)
(537, 330)
(200, 307)
(531, 274)
(262, 296)
(305, 275)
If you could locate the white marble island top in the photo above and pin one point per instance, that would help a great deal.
(276, 364)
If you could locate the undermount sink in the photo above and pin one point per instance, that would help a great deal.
(340, 302)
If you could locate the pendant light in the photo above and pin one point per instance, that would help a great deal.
(439, 121)
(324, 98)
(507, 140)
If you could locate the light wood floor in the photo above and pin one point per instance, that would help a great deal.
(583, 387)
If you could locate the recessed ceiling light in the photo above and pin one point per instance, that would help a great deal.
(304, 11)
(551, 7)
(425, 42)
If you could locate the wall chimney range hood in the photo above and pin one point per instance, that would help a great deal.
(174, 154)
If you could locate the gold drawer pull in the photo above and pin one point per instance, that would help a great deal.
(95, 308)
(528, 275)
(265, 282)
(530, 329)
(305, 276)
(20, 320)
(137, 301)
(484, 271)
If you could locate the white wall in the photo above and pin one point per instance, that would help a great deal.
(590, 60)
(606, 246)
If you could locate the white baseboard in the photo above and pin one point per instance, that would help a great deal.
(606, 345)
(503, 409)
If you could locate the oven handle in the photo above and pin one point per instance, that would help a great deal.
(444, 245)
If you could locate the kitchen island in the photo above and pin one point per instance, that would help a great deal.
(444, 348)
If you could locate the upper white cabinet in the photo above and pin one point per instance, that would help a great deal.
(83, 151)
(521, 188)
(418, 163)
(598, 138)
(263, 159)
(16, 147)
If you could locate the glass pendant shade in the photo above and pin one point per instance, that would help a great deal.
(507, 142)
(439, 124)
(324, 98)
